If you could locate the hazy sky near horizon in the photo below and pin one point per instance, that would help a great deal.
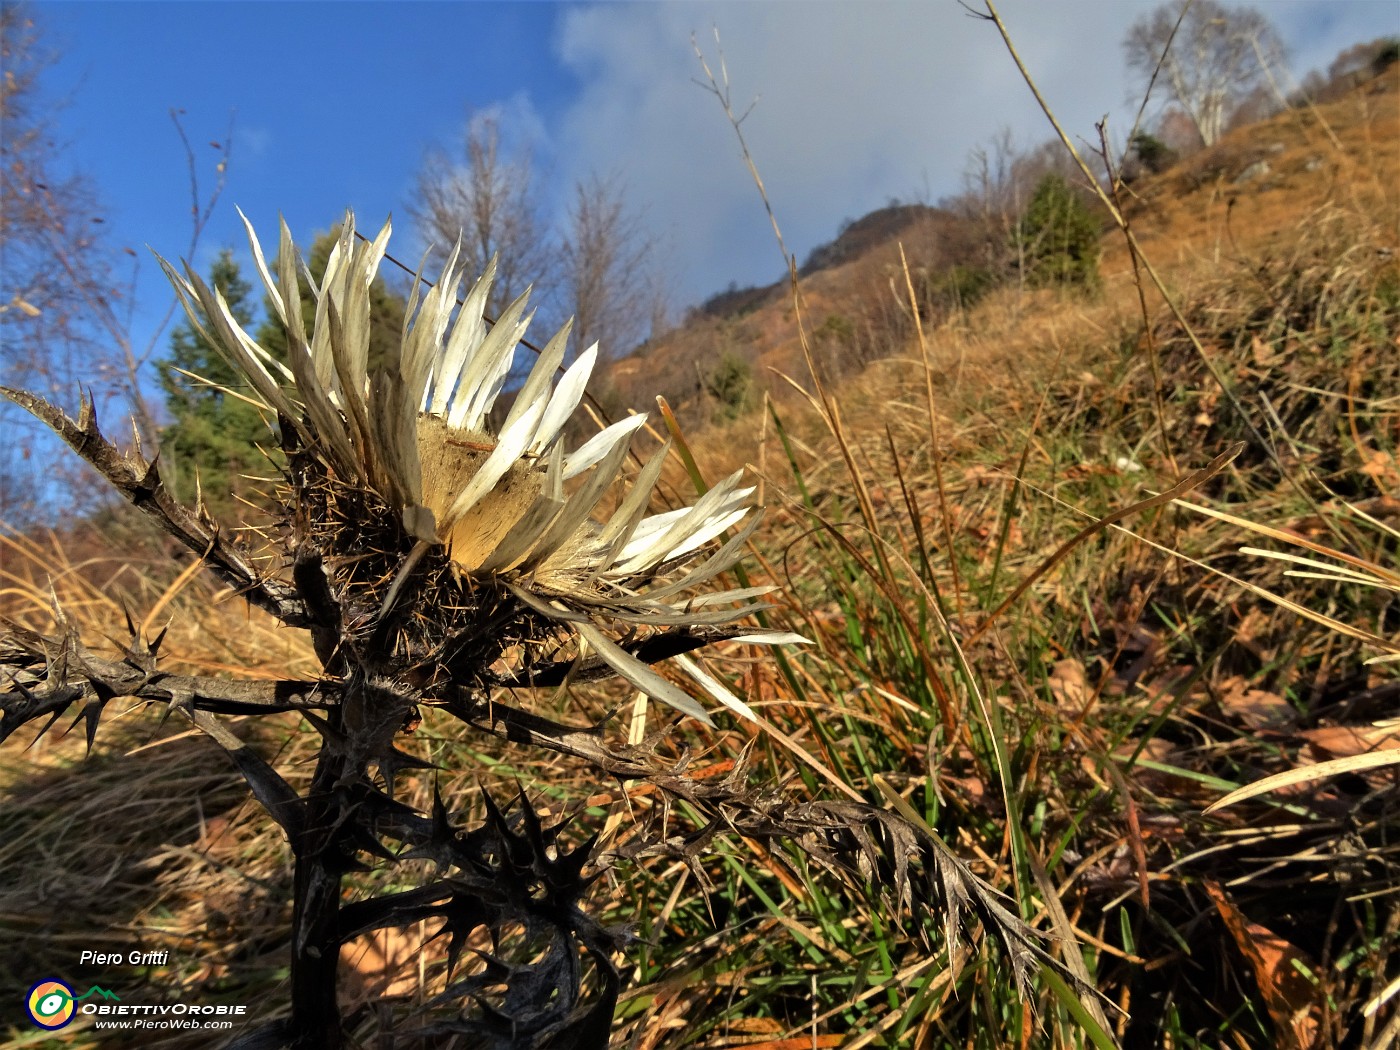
(854, 102)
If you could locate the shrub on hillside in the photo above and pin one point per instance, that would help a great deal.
(957, 288)
(1058, 238)
(730, 385)
(1154, 154)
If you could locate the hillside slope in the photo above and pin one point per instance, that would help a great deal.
(1248, 192)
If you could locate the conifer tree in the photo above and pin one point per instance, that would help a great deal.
(386, 309)
(214, 434)
(1058, 237)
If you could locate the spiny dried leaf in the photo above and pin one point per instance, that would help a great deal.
(274, 793)
(139, 482)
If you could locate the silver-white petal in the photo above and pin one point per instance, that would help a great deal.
(598, 446)
(639, 674)
(567, 394)
(715, 688)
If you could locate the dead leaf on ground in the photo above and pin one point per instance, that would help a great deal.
(383, 963)
(1256, 708)
(1294, 1004)
(1382, 467)
(971, 791)
(1161, 690)
(1155, 750)
(1252, 626)
(1344, 741)
(1069, 684)
(1158, 751)
(1262, 352)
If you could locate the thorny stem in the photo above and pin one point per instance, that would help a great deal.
(315, 1021)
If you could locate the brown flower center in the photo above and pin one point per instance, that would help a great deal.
(449, 459)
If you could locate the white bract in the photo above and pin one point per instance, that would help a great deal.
(414, 428)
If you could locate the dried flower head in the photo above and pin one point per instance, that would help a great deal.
(398, 479)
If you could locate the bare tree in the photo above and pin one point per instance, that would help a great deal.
(64, 307)
(1209, 57)
(55, 271)
(487, 199)
(610, 268)
(991, 196)
(603, 266)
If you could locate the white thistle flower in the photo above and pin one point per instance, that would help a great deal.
(414, 430)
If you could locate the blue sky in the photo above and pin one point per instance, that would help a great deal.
(335, 103)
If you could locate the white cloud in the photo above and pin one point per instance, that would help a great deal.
(856, 102)
(518, 123)
(1317, 32)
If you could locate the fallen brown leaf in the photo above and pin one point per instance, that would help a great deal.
(1262, 352)
(1344, 741)
(1293, 1003)
(1256, 708)
(1069, 684)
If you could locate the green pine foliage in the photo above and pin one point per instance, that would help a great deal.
(1156, 156)
(730, 384)
(1058, 237)
(214, 435)
(386, 309)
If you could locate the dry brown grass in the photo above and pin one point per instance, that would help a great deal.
(1294, 295)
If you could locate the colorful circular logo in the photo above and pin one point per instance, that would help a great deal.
(50, 1004)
